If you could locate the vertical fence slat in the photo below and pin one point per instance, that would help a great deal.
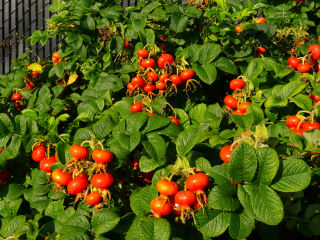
(40, 26)
(1, 38)
(20, 29)
(26, 20)
(13, 30)
(6, 36)
(54, 44)
(33, 23)
(46, 17)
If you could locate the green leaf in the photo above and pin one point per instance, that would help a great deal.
(147, 36)
(38, 177)
(281, 71)
(187, 140)
(213, 116)
(241, 225)
(172, 131)
(140, 199)
(148, 163)
(123, 106)
(6, 125)
(223, 197)
(149, 228)
(253, 70)
(203, 164)
(44, 96)
(312, 210)
(104, 221)
(57, 6)
(103, 127)
(292, 88)
(63, 152)
(119, 149)
(220, 174)
(192, 52)
(314, 226)
(257, 113)
(207, 73)
(134, 141)
(243, 53)
(82, 134)
(11, 192)
(212, 223)
(155, 146)
(138, 21)
(9, 209)
(226, 65)
(223, 4)
(74, 235)
(178, 23)
(158, 14)
(10, 226)
(268, 164)
(135, 121)
(197, 113)
(73, 222)
(155, 122)
(244, 199)
(243, 163)
(303, 102)
(312, 137)
(89, 23)
(266, 204)
(294, 175)
(149, 7)
(244, 121)
(208, 52)
(106, 81)
(55, 209)
(11, 151)
(113, 12)
(116, 46)
(192, 11)
(274, 101)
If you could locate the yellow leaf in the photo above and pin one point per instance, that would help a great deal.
(72, 79)
(35, 67)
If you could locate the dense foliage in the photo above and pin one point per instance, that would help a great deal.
(165, 121)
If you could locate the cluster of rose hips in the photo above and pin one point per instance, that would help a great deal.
(297, 124)
(158, 75)
(232, 102)
(33, 73)
(138, 107)
(16, 100)
(240, 28)
(183, 203)
(16, 97)
(306, 64)
(39, 154)
(83, 178)
(55, 58)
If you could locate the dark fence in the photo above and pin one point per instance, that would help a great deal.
(18, 19)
